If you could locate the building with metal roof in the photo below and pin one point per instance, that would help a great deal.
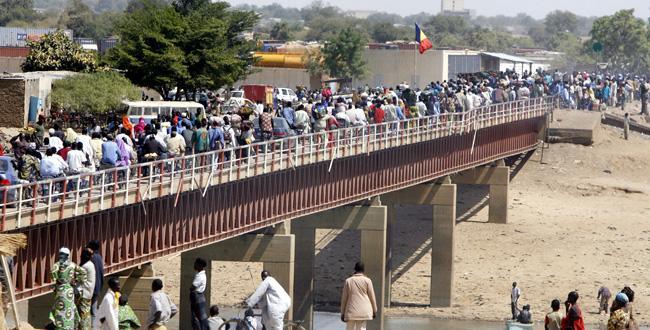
(503, 62)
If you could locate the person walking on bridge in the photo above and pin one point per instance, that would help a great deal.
(358, 304)
(272, 299)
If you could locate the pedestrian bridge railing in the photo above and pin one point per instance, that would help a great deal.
(60, 198)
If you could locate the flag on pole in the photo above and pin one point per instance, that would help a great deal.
(422, 39)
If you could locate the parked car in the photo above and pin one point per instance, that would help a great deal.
(285, 95)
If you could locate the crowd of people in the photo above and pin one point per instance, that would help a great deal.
(584, 91)
(79, 304)
(621, 314)
(50, 152)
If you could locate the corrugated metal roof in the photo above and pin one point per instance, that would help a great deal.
(507, 57)
(17, 37)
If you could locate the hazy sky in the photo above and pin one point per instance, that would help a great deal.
(537, 9)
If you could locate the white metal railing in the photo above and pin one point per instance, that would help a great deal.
(53, 199)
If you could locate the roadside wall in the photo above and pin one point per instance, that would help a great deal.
(12, 107)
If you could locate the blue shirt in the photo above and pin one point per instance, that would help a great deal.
(400, 113)
(216, 135)
(110, 153)
(289, 114)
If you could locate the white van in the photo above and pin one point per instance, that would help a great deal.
(286, 95)
(149, 110)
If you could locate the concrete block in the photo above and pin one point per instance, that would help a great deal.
(347, 217)
(187, 276)
(442, 254)
(303, 290)
(498, 204)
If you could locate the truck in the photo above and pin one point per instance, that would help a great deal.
(261, 93)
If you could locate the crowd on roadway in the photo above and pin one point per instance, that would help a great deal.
(82, 301)
(42, 152)
(584, 91)
(621, 312)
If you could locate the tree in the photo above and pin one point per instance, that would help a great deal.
(79, 18)
(280, 31)
(384, 31)
(55, 52)
(561, 21)
(318, 10)
(343, 55)
(537, 32)
(624, 39)
(443, 24)
(11, 10)
(190, 45)
(95, 92)
(322, 28)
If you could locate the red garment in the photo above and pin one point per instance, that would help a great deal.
(126, 123)
(139, 128)
(379, 115)
(327, 93)
(64, 153)
(573, 320)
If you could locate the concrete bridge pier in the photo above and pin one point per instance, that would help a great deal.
(275, 251)
(371, 221)
(498, 178)
(442, 198)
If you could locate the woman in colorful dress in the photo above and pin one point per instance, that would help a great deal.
(126, 316)
(65, 275)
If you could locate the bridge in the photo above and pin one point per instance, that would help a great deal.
(346, 178)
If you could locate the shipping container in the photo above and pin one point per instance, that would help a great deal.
(14, 51)
(17, 37)
(106, 44)
(261, 93)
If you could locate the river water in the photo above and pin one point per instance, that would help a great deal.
(332, 321)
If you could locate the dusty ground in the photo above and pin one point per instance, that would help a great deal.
(577, 221)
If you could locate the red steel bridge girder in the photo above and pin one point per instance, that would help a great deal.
(130, 236)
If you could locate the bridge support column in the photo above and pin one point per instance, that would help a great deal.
(442, 198)
(498, 208)
(442, 246)
(187, 275)
(498, 178)
(275, 251)
(371, 221)
(38, 310)
(136, 284)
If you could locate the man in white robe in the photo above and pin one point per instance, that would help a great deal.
(272, 299)
(107, 311)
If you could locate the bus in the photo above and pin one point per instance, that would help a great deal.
(149, 110)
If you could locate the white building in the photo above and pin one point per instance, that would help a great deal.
(452, 6)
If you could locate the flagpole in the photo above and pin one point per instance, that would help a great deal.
(415, 65)
(415, 50)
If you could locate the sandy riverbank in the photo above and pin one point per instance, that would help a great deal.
(578, 221)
